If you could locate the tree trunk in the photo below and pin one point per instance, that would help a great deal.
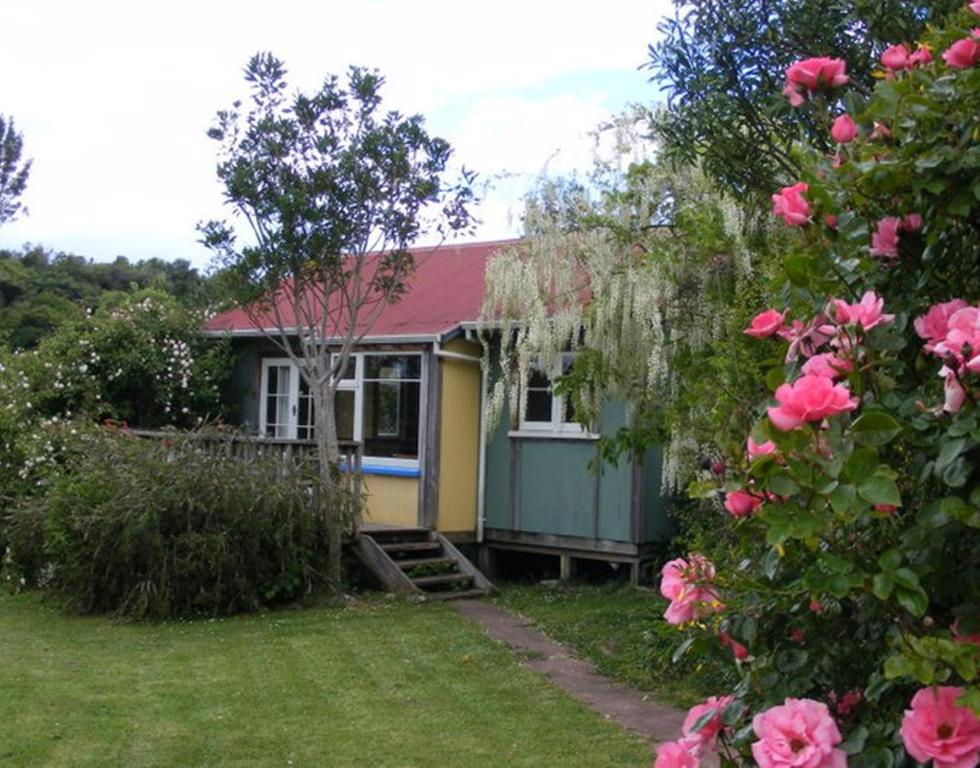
(328, 455)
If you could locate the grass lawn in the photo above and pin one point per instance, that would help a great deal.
(379, 684)
(622, 631)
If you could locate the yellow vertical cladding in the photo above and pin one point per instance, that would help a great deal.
(391, 500)
(459, 439)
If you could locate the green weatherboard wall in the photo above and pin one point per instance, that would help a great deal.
(546, 486)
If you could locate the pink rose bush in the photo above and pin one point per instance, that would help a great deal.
(850, 516)
(798, 734)
(937, 729)
(689, 585)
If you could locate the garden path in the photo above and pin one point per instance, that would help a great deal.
(632, 710)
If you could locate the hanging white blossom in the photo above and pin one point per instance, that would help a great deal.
(624, 266)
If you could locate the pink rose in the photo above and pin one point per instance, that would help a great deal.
(739, 651)
(938, 730)
(895, 57)
(809, 398)
(866, 313)
(741, 503)
(880, 131)
(688, 585)
(911, 223)
(975, 7)
(807, 339)
(814, 74)
(828, 364)
(933, 325)
(755, 450)
(800, 733)
(962, 334)
(794, 95)
(844, 129)
(816, 606)
(830, 220)
(790, 203)
(707, 735)
(955, 395)
(884, 242)
(766, 323)
(676, 754)
(849, 701)
(961, 639)
(962, 54)
(921, 57)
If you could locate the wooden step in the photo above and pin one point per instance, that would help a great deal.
(411, 546)
(391, 535)
(463, 594)
(442, 578)
(424, 561)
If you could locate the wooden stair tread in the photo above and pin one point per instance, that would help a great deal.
(410, 546)
(414, 563)
(443, 578)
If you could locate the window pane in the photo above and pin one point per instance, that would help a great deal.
(538, 405)
(537, 379)
(392, 366)
(568, 415)
(344, 410)
(348, 372)
(391, 419)
(306, 417)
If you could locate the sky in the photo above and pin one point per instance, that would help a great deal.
(114, 98)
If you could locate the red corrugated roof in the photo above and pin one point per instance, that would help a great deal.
(445, 291)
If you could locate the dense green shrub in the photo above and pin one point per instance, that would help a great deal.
(166, 528)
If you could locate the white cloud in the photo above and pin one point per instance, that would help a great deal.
(113, 98)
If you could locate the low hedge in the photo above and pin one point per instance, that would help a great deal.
(170, 528)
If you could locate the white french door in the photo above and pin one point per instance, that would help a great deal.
(279, 404)
(286, 409)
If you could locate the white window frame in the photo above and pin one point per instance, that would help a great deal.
(556, 425)
(355, 385)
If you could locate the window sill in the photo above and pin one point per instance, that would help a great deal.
(386, 470)
(545, 434)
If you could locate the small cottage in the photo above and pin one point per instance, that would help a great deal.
(413, 398)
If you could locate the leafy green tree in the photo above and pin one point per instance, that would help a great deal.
(13, 170)
(722, 65)
(333, 192)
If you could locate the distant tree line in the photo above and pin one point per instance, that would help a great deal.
(41, 289)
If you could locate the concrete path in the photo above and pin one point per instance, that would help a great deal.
(629, 708)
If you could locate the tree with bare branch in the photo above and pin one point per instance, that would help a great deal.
(333, 193)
